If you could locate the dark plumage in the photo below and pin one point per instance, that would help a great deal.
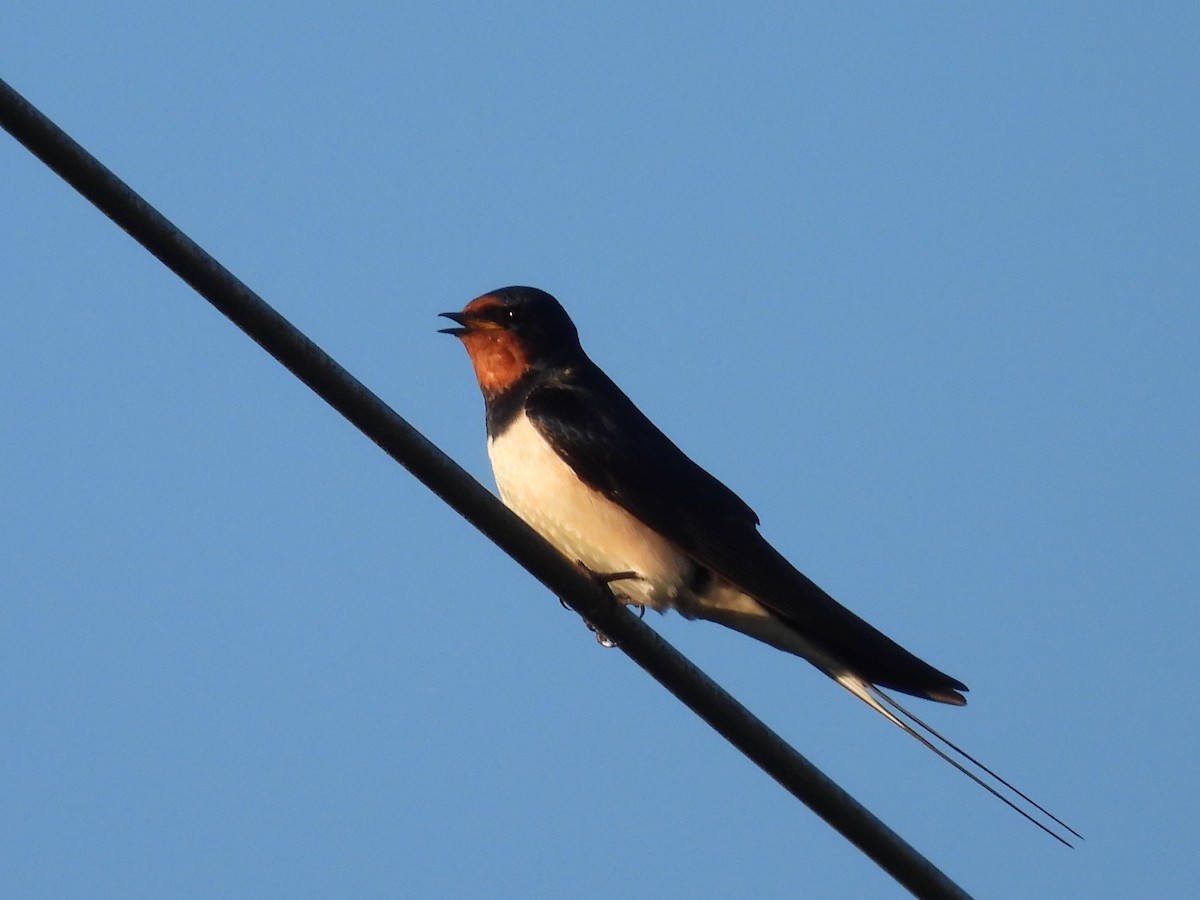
(580, 462)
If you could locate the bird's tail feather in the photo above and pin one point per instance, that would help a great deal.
(982, 775)
(734, 609)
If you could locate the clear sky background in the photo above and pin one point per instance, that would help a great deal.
(919, 281)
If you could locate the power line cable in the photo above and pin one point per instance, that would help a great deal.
(466, 496)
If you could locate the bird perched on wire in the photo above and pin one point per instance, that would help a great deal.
(577, 460)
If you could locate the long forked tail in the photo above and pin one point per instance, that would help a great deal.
(979, 773)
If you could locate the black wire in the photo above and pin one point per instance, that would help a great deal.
(470, 499)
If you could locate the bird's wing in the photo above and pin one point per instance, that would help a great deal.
(620, 453)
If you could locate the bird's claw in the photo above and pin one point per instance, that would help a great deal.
(606, 579)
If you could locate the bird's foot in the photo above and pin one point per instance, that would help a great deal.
(606, 579)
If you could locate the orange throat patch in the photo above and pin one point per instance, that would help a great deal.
(497, 356)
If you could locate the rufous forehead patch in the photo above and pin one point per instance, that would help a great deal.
(479, 304)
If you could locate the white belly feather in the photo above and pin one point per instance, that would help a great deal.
(543, 490)
(538, 486)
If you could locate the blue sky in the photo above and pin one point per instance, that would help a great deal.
(918, 281)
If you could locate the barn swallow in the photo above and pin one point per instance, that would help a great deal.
(576, 459)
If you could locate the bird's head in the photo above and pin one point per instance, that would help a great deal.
(512, 330)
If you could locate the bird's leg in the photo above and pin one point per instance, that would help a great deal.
(606, 579)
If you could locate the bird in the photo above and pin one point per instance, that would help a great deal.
(575, 458)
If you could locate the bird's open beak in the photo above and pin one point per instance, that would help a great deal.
(467, 322)
(461, 319)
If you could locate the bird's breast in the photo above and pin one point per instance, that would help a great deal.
(539, 486)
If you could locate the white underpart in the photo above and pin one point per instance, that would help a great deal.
(586, 527)
(582, 524)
